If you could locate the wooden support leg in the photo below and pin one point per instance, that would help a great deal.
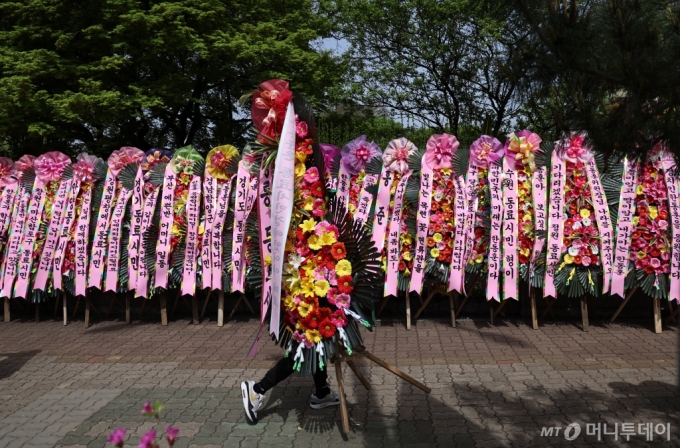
(548, 308)
(37, 312)
(220, 309)
(673, 314)
(205, 305)
(164, 309)
(128, 299)
(382, 305)
(462, 305)
(408, 310)
(247, 302)
(65, 308)
(141, 311)
(76, 307)
(238, 302)
(341, 392)
(174, 305)
(6, 309)
(111, 303)
(453, 310)
(396, 371)
(426, 302)
(584, 312)
(87, 311)
(534, 312)
(358, 373)
(194, 310)
(657, 316)
(56, 305)
(623, 304)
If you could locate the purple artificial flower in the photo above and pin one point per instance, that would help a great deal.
(117, 437)
(485, 151)
(148, 440)
(329, 153)
(357, 153)
(147, 409)
(171, 434)
(439, 151)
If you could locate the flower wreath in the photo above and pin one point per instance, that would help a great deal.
(324, 287)
(9, 186)
(353, 178)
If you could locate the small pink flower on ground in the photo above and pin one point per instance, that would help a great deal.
(147, 409)
(171, 434)
(117, 437)
(148, 440)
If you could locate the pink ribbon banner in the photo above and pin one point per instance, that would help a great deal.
(82, 240)
(472, 183)
(190, 258)
(382, 208)
(344, 180)
(422, 226)
(101, 233)
(558, 179)
(394, 243)
(365, 199)
(64, 234)
(52, 239)
(673, 186)
(113, 253)
(495, 190)
(282, 209)
(14, 247)
(604, 222)
(30, 232)
(457, 262)
(539, 189)
(265, 224)
(223, 197)
(510, 231)
(142, 286)
(135, 240)
(11, 196)
(242, 206)
(165, 231)
(624, 231)
(209, 205)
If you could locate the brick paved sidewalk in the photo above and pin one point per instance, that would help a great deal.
(491, 386)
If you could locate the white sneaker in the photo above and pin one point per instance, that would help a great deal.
(331, 399)
(251, 400)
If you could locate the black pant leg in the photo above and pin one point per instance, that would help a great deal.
(321, 382)
(282, 370)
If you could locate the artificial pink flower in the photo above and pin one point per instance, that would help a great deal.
(357, 153)
(50, 166)
(312, 175)
(25, 162)
(520, 149)
(301, 129)
(148, 440)
(343, 301)
(117, 437)
(6, 172)
(147, 409)
(171, 435)
(126, 155)
(397, 153)
(439, 151)
(485, 150)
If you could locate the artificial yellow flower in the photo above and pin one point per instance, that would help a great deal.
(343, 267)
(407, 256)
(585, 213)
(308, 225)
(300, 169)
(407, 273)
(267, 260)
(653, 211)
(640, 189)
(351, 207)
(301, 156)
(289, 245)
(175, 230)
(327, 239)
(309, 267)
(321, 287)
(313, 336)
(446, 171)
(290, 303)
(437, 237)
(298, 325)
(308, 204)
(307, 288)
(434, 252)
(636, 220)
(304, 308)
(641, 254)
(406, 238)
(479, 258)
(313, 242)
(525, 252)
(568, 259)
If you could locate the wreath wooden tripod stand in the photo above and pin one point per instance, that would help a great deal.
(361, 352)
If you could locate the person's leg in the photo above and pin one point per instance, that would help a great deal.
(321, 383)
(282, 370)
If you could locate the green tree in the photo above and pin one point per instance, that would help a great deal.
(98, 74)
(614, 65)
(435, 61)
